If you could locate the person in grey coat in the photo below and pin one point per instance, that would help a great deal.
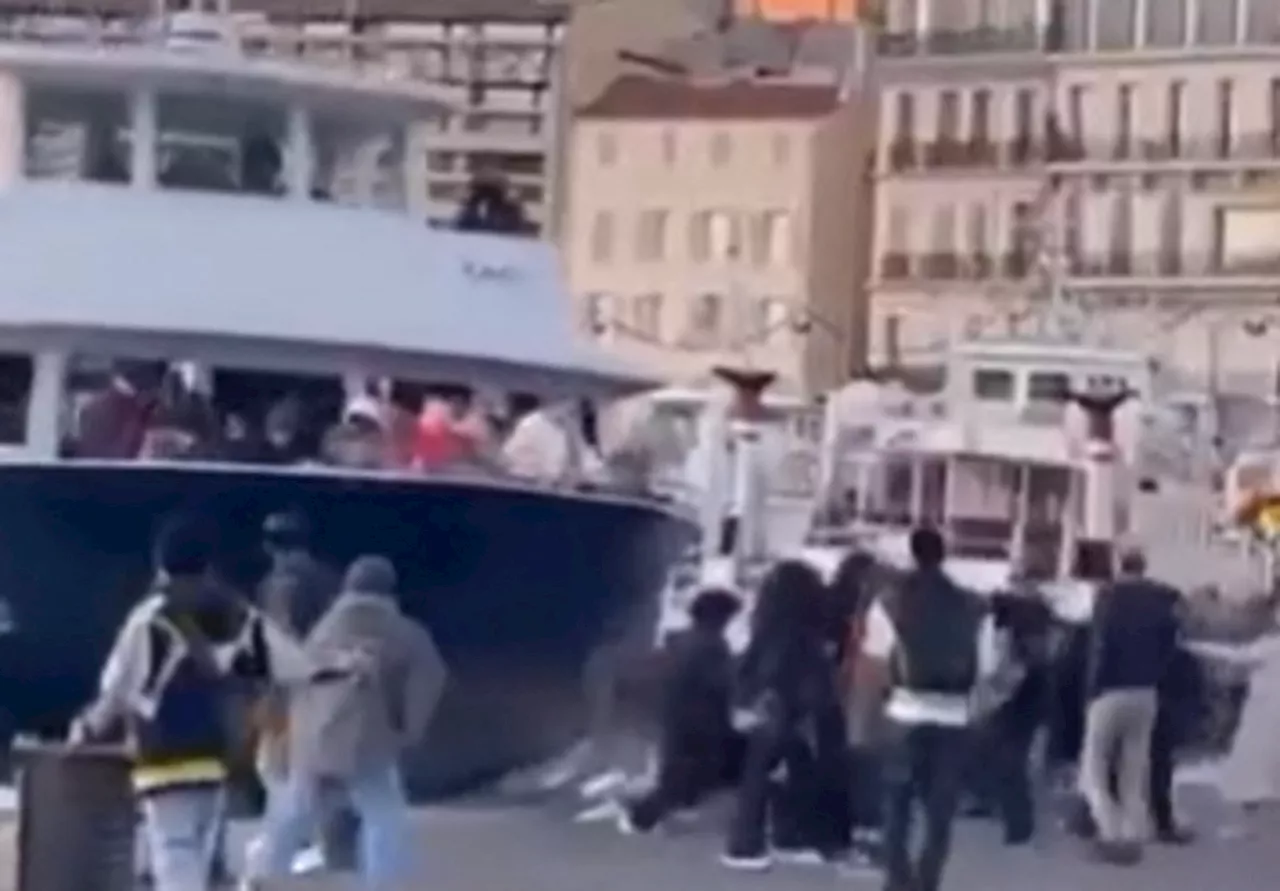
(351, 732)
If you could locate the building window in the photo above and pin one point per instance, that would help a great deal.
(705, 320)
(602, 231)
(597, 313)
(700, 237)
(1226, 118)
(606, 149)
(977, 230)
(1274, 112)
(892, 340)
(1024, 114)
(898, 230)
(721, 148)
(1124, 122)
(943, 233)
(670, 147)
(1075, 111)
(993, 385)
(772, 239)
(904, 121)
(1173, 123)
(651, 236)
(769, 316)
(725, 236)
(980, 119)
(948, 116)
(646, 315)
(780, 149)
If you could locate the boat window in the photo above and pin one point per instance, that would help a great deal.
(218, 144)
(16, 374)
(993, 384)
(1048, 386)
(76, 135)
(980, 514)
(890, 491)
(1048, 503)
(933, 493)
(1106, 383)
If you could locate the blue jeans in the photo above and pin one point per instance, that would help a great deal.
(183, 832)
(379, 801)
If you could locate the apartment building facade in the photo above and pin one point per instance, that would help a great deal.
(1136, 143)
(722, 223)
(497, 62)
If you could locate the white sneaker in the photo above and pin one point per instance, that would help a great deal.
(308, 861)
(798, 857)
(601, 812)
(602, 784)
(760, 863)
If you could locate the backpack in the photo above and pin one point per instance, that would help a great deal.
(936, 625)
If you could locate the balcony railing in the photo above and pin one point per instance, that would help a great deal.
(1173, 148)
(971, 42)
(1166, 264)
(906, 155)
(942, 266)
(895, 267)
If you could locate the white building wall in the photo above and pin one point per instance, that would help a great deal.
(12, 129)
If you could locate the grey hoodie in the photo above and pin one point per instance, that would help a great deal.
(343, 727)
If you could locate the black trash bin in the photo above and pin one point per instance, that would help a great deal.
(76, 817)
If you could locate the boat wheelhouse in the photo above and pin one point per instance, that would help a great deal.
(249, 227)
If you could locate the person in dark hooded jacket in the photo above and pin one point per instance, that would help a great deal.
(698, 750)
(794, 721)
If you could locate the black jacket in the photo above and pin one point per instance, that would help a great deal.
(697, 680)
(1134, 636)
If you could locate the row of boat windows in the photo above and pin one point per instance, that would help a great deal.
(979, 501)
(1001, 385)
(121, 410)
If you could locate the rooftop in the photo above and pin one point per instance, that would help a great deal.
(640, 97)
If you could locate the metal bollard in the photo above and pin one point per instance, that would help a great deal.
(76, 817)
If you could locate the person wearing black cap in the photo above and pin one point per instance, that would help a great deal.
(352, 732)
(286, 538)
(698, 750)
(177, 664)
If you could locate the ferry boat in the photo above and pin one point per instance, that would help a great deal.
(165, 198)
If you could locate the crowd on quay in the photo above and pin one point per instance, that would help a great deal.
(882, 702)
(320, 673)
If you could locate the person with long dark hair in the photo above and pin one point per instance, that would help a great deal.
(793, 721)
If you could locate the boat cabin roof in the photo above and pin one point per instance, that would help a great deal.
(131, 58)
(289, 285)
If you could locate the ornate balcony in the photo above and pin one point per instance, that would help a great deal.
(895, 267)
(940, 267)
(1165, 268)
(1016, 264)
(904, 154)
(1025, 151)
(1254, 147)
(971, 42)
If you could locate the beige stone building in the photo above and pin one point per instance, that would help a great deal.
(722, 222)
(1139, 140)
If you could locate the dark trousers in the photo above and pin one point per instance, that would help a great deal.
(788, 804)
(1001, 777)
(1160, 779)
(866, 792)
(689, 770)
(924, 765)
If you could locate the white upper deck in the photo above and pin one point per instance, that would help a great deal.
(161, 194)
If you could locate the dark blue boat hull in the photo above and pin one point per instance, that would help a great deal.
(517, 585)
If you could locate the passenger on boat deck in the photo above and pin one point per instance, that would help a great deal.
(360, 440)
(442, 439)
(113, 422)
(182, 423)
(285, 439)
